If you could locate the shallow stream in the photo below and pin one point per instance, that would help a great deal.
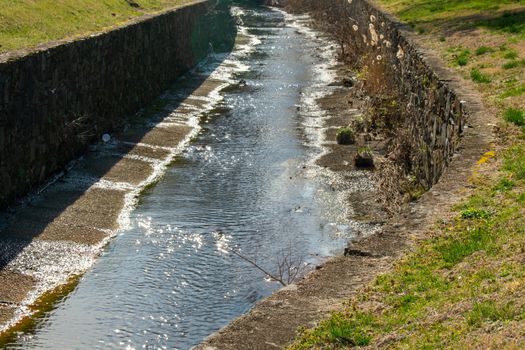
(248, 182)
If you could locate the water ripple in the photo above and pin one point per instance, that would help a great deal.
(246, 183)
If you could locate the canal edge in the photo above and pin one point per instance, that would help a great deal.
(274, 321)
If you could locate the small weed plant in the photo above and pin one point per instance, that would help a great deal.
(345, 136)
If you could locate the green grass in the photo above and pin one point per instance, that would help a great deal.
(452, 285)
(473, 213)
(424, 11)
(463, 58)
(454, 251)
(514, 161)
(483, 50)
(346, 331)
(514, 64)
(511, 55)
(345, 136)
(478, 77)
(26, 23)
(462, 287)
(508, 22)
(513, 91)
(490, 311)
(515, 116)
(504, 185)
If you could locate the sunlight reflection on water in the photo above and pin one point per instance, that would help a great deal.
(248, 182)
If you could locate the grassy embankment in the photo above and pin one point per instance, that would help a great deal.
(27, 23)
(465, 286)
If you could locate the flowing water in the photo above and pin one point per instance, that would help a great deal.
(248, 182)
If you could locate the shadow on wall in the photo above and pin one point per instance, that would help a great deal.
(55, 102)
(72, 211)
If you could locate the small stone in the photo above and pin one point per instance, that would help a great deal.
(345, 136)
(348, 82)
(364, 159)
(356, 252)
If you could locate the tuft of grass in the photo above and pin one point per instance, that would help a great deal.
(515, 116)
(478, 77)
(511, 55)
(483, 50)
(345, 136)
(504, 185)
(463, 58)
(514, 161)
(364, 157)
(474, 213)
(453, 252)
(514, 64)
(339, 329)
(514, 91)
(490, 311)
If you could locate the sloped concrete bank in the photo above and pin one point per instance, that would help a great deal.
(57, 99)
(448, 124)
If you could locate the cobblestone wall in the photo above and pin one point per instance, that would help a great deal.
(433, 113)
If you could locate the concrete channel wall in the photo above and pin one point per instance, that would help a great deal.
(57, 99)
(434, 115)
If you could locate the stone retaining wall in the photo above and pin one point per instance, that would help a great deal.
(56, 100)
(432, 111)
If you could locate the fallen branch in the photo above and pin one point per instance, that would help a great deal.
(288, 268)
(257, 266)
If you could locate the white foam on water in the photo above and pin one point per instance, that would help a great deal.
(49, 263)
(314, 122)
(324, 74)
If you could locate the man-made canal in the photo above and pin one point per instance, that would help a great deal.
(247, 182)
